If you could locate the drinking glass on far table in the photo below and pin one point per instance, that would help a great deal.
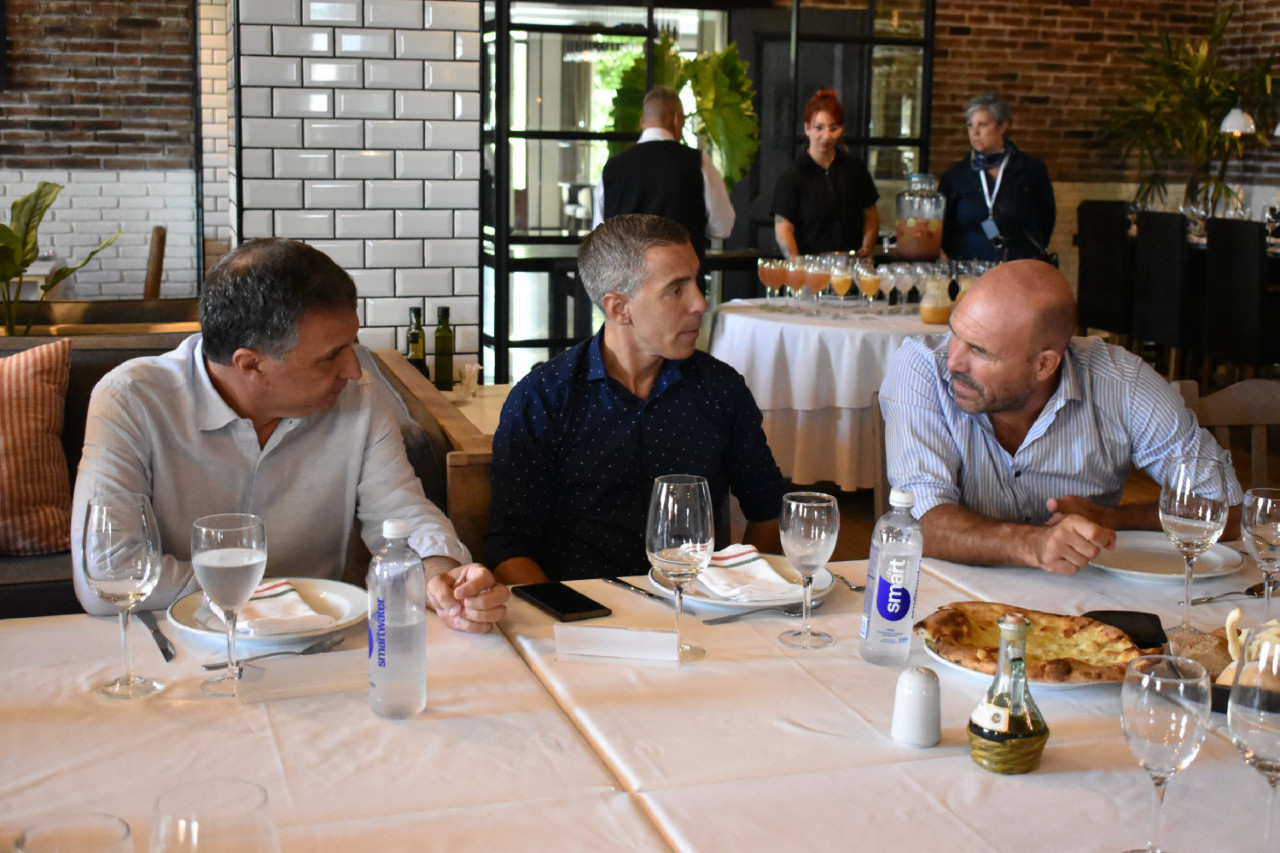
(122, 565)
(795, 277)
(810, 523)
(679, 538)
(773, 275)
(1164, 712)
(83, 832)
(1260, 524)
(817, 277)
(869, 284)
(1253, 714)
(214, 816)
(229, 555)
(841, 277)
(1193, 511)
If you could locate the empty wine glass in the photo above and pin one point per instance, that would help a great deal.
(810, 523)
(1164, 712)
(1260, 523)
(229, 555)
(82, 832)
(122, 566)
(214, 816)
(1253, 713)
(1193, 511)
(679, 539)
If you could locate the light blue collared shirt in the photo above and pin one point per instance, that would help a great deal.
(1110, 411)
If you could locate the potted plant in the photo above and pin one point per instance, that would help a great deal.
(724, 119)
(19, 249)
(1170, 121)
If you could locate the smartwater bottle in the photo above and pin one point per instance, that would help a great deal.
(397, 626)
(892, 575)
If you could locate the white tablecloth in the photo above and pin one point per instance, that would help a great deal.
(813, 378)
(493, 764)
(762, 747)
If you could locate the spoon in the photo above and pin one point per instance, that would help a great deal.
(321, 645)
(789, 609)
(853, 587)
(1254, 591)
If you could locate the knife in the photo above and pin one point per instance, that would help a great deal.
(148, 619)
(627, 585)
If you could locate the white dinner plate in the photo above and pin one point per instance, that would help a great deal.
(1036, 686)
(1148, 555)
(347, 604)
(697, 593)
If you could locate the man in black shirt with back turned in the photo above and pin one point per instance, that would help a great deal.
(663, 176)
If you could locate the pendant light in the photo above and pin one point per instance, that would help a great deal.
(1238, 122)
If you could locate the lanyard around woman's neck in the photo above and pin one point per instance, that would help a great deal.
(990, 194)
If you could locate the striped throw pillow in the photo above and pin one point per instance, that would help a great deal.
(35, 492)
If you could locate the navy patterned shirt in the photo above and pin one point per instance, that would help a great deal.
(576, 453)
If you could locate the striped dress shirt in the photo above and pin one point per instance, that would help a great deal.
(1110, 411)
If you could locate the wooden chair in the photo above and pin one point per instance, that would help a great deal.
(155, 263)
(1254, 403)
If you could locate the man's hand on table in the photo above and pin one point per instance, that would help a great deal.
(1070, 540)
(467, 598)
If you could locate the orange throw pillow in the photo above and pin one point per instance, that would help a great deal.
(35, 490)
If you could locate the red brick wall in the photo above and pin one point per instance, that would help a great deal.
(98, 85)
(1061, 64)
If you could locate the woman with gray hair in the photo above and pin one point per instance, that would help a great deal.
(1000, 204)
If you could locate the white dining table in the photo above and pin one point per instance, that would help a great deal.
(492, 765)
(813, 378)
(763, 747)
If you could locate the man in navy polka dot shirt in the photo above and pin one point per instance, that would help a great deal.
(583, 436)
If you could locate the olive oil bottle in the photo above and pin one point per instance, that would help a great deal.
(416, 342)
(444, 350)
(1007, 732)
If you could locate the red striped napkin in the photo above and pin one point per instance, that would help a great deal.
(276, 608)
(739, 573)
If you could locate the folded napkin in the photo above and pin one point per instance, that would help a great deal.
(276, 608)
(739, 573)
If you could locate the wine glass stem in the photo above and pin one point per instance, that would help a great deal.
(1186, 598)
(1157, 800)
(1267, 833)
(125, 655)
(807, 580)
(232, 668)
(1267, 578)
(679, 590)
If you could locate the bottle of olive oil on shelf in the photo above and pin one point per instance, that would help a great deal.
(444, 351)
(1007, 732)
(416, 342)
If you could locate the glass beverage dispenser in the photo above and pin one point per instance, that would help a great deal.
(919, 226)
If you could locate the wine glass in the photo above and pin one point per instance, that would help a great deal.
(679, 537)
(87, 831)
(817, 277)
(1260, 523)
(214, 816)
(1165, 712)
(810, 523)
(869, 284)
(841, 278)
(122, 565)
(1253, 712)
(229, 555)
(1193, 511)
(773, 276)
(795, 278)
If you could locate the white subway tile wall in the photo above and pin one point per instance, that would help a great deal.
(361, 135)
(93, 205)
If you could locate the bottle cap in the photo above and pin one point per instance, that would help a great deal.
(917, 715)
(395, 528)
(442, 313)
(901, 498)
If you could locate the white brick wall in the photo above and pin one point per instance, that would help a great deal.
(212, 33)
(359, 134)
(94, 205)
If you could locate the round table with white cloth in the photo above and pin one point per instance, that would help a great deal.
(813, 378)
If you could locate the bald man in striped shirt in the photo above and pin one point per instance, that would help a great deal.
(1017, 438)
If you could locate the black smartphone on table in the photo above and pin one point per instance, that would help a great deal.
(561, 601)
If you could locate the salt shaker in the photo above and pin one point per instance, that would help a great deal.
(917, 716)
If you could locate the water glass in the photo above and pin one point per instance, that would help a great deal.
(214, 816)
(1260, 525)
(810, 523)
(679, 539)
(87, 832)
(1253, 714)
(1193, 511)
(229, 555)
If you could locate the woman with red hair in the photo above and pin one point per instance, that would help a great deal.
(825, 201)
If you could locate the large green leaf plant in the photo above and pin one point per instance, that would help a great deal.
(724, 119)
(1169, 121)
(19, 249)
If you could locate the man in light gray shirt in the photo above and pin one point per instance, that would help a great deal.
(267, 411)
